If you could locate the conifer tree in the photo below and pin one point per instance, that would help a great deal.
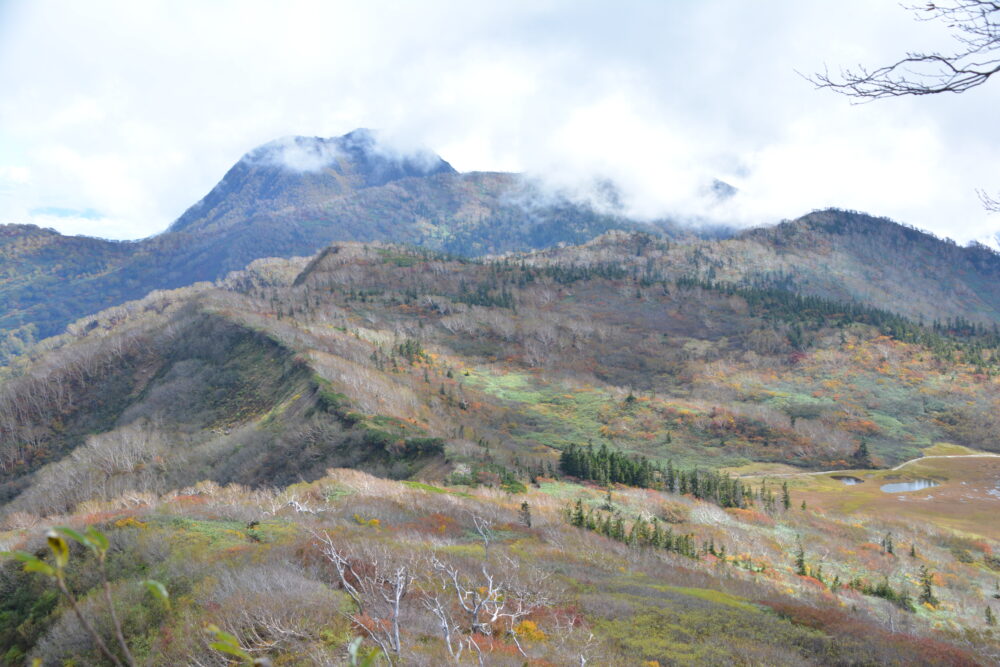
(656, 539)
(578, 518)
(800, 561)
(927, 587)
(608, 506)
(526, 514)
(862, 458)
(618, 532)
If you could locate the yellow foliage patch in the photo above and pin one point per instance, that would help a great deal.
(130, 522)
(529, 630)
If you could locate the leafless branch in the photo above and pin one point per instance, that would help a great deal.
(976, 28)
(74, 605)
(484, 601)
(377, 588)
(450, 630)
(991, 204)
(484, 528)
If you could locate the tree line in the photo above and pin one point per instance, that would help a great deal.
(607, 466)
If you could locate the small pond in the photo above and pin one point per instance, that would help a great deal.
(915, 485)
(848, 480)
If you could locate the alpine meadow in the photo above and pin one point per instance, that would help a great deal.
(357, 406)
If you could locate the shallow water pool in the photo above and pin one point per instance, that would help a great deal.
(903, 487)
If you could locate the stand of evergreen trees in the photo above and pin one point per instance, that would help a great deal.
(901, 598)
(606, 466)
(640, 533)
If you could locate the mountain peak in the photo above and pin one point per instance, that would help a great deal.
(295, 169)
(295, 153)
(363, 151)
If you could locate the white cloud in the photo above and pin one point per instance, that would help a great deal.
(296, 154)
(14, 175)
(137, 109)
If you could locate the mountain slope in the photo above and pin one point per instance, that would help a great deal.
(294, 171)
(834, 254)
(290, 197)
(853, 256)
(170, 421)
(163, 391)
(534, 354)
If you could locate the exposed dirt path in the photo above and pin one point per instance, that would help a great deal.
(947, 456)
(856, 471)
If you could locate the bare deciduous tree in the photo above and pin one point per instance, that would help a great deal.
(451, 632)
(266, 606)
(377, 585)
(480, 603)
(484, 528)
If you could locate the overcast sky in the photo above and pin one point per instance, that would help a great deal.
(117, 116)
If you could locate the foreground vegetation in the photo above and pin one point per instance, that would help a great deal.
(295, 574)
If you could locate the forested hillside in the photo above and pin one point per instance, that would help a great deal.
(607, 444)
(843, 256)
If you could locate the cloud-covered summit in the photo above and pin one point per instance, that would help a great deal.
(291, 171)
(299, 154)
(364, 151)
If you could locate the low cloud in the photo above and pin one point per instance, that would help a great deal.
(297, 154)
(400, 148)
(312, 154)
(84, 225)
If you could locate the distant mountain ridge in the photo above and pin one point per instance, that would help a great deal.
(289, 197)
(834, 254)
(294, 196)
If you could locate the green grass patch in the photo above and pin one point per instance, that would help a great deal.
(949, 449)
(335, 492)
(220, 535)
(463, 550)
(434, 489)
(516, 387)
(708, 594)
(563, 490)
(397, 258)
(681, 626)
(554, 415)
